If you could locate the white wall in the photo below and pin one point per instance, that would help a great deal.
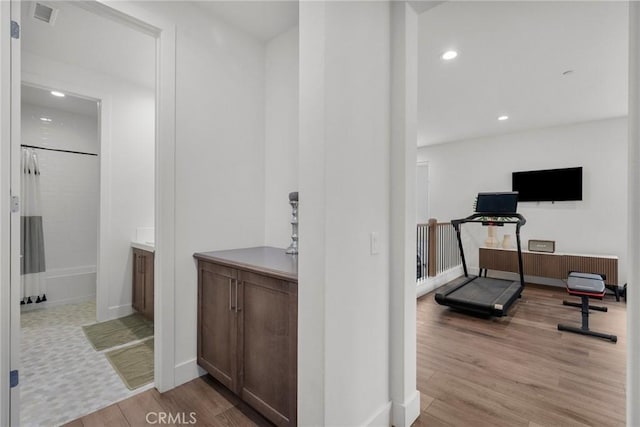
(69, 186)
(422, 193)
(595, 225)
(220, 170)
(344, 111)
(130, 156)
(281, 135)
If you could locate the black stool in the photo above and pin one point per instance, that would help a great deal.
(586, 286)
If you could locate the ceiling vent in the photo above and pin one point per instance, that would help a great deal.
(44, 13)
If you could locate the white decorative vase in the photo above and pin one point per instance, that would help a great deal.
(492, 240)
(506, 241)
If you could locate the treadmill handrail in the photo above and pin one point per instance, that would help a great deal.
(478, 217)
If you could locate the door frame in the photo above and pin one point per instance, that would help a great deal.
(164, 31)
(8, 47)
(5, 162)
(14, 222)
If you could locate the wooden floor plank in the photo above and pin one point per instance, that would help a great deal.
(242, 416)
(74, 423)
(202, 396)
(143, 409)
(428, 420)
(111, 416)
(458, 412)
(425, 401)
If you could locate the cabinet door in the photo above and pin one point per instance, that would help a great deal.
(217, 323)
(148, 285)
(267, 343)
(137, 299)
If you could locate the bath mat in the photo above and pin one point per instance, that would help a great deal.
(116, 332)
(134, 363)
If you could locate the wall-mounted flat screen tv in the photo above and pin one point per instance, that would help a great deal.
(549, 185)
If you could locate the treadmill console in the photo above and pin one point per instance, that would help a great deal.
(497, 202)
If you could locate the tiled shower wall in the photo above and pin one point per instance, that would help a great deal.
(70, 195)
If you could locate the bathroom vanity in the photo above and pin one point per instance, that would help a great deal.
(142, 281)
(248, 326)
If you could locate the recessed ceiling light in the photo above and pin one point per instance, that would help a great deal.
(503, 118)
(450, 54)
(56, 93)
(45, 119)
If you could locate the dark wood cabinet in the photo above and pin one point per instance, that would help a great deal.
(552, 265)
(247, 327)
(142, 285)
(217, 323)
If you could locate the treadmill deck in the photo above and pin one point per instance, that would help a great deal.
(483, 295)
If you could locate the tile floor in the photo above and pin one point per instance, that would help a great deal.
(61, 376)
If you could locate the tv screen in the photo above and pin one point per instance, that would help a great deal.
(550, 185)
(505, 203)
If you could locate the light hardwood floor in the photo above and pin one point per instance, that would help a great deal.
(520, 370)
(513, 371)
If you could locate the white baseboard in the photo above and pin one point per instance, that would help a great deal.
(69, 285)
(404, 414)
(71, 271)
(50, 304)
(382, 417)
(118, 311)
(187, 371)
(427, 285)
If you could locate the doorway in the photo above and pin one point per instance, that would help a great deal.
(94, 280)
(60, 193)
(164, 34)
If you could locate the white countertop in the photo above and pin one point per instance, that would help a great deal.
(145, 246)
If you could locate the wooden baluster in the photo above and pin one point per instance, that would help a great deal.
(432, 247)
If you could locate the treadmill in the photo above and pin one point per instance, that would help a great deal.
(485, 295)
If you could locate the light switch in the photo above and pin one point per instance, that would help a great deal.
(375, 242)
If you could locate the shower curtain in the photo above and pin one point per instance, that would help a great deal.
(32, 266)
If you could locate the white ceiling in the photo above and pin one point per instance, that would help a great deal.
(511, 60)
(262, 19)
(85, 39)
(73, 104)
(81, 37)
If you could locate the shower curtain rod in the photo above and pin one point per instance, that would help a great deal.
(57, 149)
